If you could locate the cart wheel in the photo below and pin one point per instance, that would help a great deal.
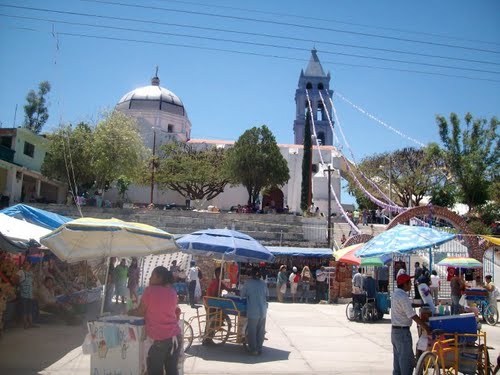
(188, 335)
(490, 315)
(349, 312)
(484, 366)
(428, 364)
(221, 333)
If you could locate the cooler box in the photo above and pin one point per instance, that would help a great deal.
(463, 323)
(383, 302)
(475, 294)
(118, 345)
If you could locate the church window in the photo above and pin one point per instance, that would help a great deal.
(321, 138)
(320, 86)
(309, 86)
(320, 112)
(170, 128)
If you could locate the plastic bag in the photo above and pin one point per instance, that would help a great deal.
(462, 301)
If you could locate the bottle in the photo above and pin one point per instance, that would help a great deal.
(440, 309)
(447, 310)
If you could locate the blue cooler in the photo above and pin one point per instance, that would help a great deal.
(463, 323)
(383, 302)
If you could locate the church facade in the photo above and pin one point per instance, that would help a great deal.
(162, 117)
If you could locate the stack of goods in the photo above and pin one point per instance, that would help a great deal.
(8, 270)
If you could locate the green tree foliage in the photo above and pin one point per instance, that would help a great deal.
(411, 173)
(192, 172)
(69, 156)
(305, 192)
(471, 154)
(117, 149)
(35, 110)
(256, 162)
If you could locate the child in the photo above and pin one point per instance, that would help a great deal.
(25, 282)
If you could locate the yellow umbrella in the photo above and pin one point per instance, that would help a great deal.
(493, 240)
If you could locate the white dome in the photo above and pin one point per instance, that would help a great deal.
(150, 98)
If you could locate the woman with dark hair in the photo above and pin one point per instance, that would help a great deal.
(158, 306)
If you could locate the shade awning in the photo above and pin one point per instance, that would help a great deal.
(301, 251)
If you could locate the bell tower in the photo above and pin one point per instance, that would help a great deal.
(313, 80)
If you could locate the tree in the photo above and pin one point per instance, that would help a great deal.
(35, 110)
(117, 149)
(194, 173)
(305, 192)
(256, 162)
(472, 155)
(69, 155)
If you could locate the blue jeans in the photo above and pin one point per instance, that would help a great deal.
(163, 355)
(403, 356)
(256, 332)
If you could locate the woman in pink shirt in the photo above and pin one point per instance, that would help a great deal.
(158, 306)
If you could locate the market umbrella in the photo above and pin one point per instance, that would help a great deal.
(225, 244)
(403, 239)
(493, 240)
(347, 255)
(90, 238)
(460, 262)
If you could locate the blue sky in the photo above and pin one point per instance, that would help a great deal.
(226, 93)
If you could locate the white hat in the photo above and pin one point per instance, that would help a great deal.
(294, 269)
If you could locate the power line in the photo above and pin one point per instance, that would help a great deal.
(248, 33)
(289, 24)
(257, 54)
(250, 43)
(302, 16)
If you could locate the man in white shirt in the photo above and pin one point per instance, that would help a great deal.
(320, 283)
(402, 315)
(192, 279)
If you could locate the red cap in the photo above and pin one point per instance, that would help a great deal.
(403, 279)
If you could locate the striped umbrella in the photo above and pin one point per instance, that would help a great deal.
(460, 262)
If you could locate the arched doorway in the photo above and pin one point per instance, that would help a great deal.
(273, 199)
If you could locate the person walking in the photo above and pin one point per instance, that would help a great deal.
(305, 280)
(435, 286)
(402, 315)
(492, 291)
(294, 279)
(281, 280)
(120, 279)
(192, 279)
(321, 284)
(133, 280)
(418, 272)
(158, 307)
(256, 292)
(457, 286)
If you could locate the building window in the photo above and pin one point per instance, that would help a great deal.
(309, 86)
(6, 142)
(321, 138)
(170, 128)
(29, 149)
(320, 86)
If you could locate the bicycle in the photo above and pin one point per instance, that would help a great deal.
(458, 353)
(488, 311)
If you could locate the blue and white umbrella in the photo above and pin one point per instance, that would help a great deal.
(225, 244)
(403, 239)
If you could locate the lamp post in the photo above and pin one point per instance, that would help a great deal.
(153, 166)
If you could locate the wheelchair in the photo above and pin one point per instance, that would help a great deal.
(362, 308)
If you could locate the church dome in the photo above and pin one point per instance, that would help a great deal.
(153, 97)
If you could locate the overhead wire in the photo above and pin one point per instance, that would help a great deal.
(312, 18)
(162, 23)
(289, 24)
(258, 54)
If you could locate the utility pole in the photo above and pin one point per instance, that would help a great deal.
(390, 184)
(330, 226)
(153, 166)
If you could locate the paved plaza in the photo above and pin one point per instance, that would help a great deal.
(302, 339)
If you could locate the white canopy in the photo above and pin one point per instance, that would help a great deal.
(19, 230)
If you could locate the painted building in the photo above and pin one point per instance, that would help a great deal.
(21, 156)
(162, 117)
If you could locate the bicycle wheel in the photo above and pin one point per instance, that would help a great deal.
(428, 364)
(188, 335)
(349, 312)
(221, 331)
(490, 315)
